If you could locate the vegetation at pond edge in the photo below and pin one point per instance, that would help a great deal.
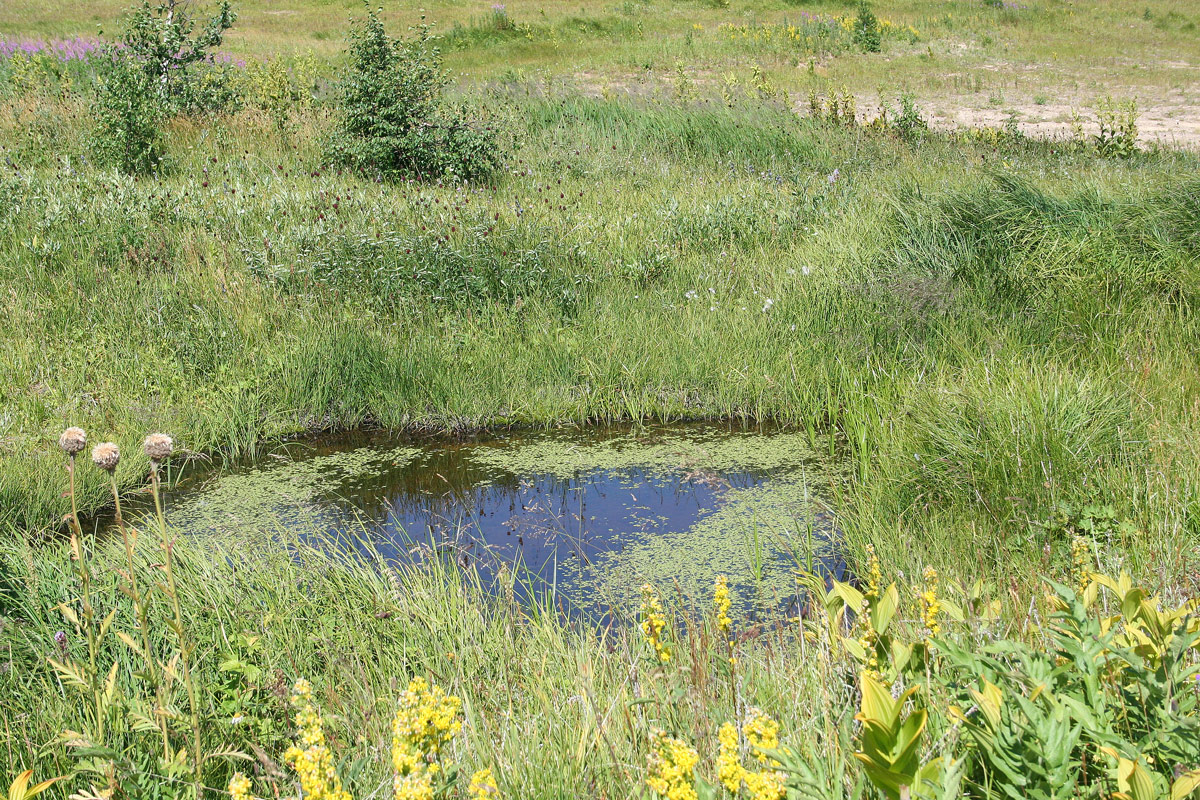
(954, 246)
(148, 664)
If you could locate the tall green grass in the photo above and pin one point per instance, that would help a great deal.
(965, 334)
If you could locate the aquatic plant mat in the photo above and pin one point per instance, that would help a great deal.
(585, 516)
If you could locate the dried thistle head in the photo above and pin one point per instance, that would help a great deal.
(106, 456)
(158, 446)
(72, 441)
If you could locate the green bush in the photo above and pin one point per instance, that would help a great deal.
(395, 120)
(867, 33)
(175, 59)
(159, 67)
(129, 112)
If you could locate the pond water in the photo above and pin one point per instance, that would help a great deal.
(587, 514)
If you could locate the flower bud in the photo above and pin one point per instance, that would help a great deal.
(158, 446)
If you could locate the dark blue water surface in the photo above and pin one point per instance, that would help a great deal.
(590, 514)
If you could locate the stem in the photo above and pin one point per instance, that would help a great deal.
(184, 655)
(140, 604)
(85, 603)
(74, 504)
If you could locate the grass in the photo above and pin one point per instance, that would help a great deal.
(988, 328)
(962, 53)
(951, 336)
(553, 707)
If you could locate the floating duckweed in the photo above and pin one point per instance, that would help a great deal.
(745, 451)
(777, 514)
(269, 493)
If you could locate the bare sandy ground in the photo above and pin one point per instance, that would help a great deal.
(1172, 125)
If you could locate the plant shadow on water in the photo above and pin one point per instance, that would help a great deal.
(581, 517)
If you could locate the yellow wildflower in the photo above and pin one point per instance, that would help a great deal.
(426, 720)
(867, 639)
(671, 772)
(239, 787)
(766, 785)
(1081, 562)
(723, 602)
(930, 605)
(414, 785)
(653, 623)
(729, 764)
(309, 756)
(874, 574)
(483, 785)
(762, 734)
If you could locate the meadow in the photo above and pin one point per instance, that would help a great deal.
(982, 302)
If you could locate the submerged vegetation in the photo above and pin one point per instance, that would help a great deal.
(989, 335)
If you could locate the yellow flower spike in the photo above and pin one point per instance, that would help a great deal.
(931, 607)
(1081, 563)
(417, 785)
(723, 602)
(426, 720)
(483, 785)
(766, 785)
(762, 734)
(654, 621)
(239, 787)
(309, 756)
(671, 768)
(729, 765)
(874, 574)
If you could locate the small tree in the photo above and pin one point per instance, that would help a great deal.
(867, 33)
(143, 79)
(394, 118)
(162, 40)
(129, 113)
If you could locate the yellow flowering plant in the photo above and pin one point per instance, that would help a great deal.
(671, 768)
(654, 622)
(426, 722)
(761, 736)
(310, 756)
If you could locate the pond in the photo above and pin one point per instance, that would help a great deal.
(585, 515)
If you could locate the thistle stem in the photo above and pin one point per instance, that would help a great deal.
(184, 652)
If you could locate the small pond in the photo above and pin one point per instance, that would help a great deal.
(588, 514)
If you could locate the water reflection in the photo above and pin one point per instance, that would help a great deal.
(592, 513)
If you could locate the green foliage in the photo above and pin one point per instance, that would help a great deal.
(281, 87)
(161, 67)
(1118, 132)
(394, 119)
(129, 116)
(867, 32)
(162, 41)
(1096, 519)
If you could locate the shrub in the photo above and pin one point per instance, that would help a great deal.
(150, 74)
(867, 32)
(1118, 128)
(161, 40)
(394, 118)
(129, 113)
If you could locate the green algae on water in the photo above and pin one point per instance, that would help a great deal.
(263, 496)
(758, 536)
(722, 451)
